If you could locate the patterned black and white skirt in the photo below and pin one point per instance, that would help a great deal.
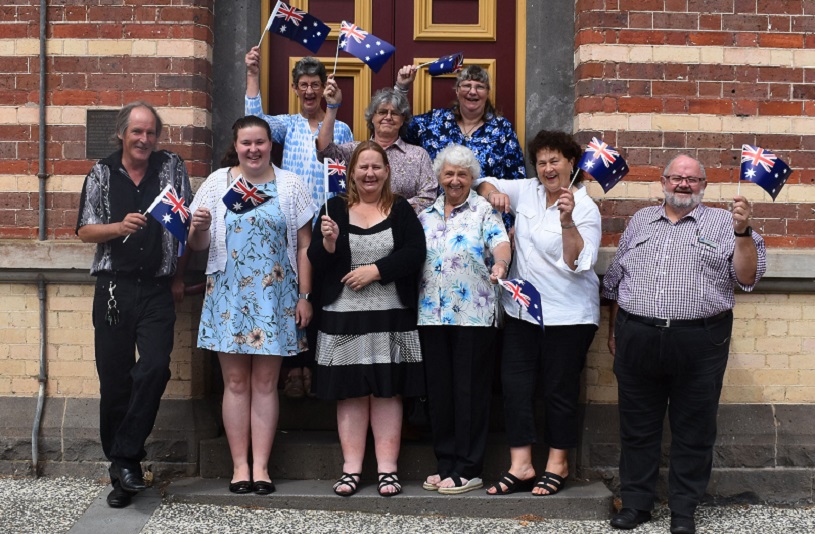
(368, 343)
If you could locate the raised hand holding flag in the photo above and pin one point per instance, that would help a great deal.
(763, 168)
(525, 294)
(242, 196)
(372, 50)
(604, 164)
(171, 210)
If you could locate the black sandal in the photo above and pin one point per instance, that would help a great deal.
(347, 479)
(389, 479)
(550, 482)
(512, 484)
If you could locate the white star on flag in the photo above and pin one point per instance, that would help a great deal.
(167, 218)
(237, 206)
(750, 173)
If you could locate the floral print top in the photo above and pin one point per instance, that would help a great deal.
(455, 288)
(494, 144)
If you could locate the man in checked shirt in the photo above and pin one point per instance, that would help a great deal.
(672, 281)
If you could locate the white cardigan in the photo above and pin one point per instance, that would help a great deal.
(295, 202)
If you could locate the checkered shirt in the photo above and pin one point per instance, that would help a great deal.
(678, 271)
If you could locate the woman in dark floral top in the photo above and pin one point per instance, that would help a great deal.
(471, 121)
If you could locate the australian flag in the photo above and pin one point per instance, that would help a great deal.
(764, 168)
(446, 65)
(243, 196)
(603, 163)
(335, 175)
(298, 26)
(170, 209)
(372, 50)
(525, 294)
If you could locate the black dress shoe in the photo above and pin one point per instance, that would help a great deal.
(629, 518)
(118, 498)
(262, 487)
(130, 479)
(241, 486)
(682, 525)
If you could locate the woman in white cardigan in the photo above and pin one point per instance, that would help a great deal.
(256, 306)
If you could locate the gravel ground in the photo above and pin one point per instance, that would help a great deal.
(53, 505)
(42, 505)
(187, 518)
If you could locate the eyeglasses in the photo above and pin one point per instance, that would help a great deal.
(477, 87)
(675, 179)
(314, 86)
(387, 113)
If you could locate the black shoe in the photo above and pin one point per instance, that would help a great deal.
(130, 479)
(682, 524)
(262, 487)
(241, 486)
(119, 498)
(629, 518)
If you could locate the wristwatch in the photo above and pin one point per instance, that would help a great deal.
(746, 233)
(306, 296)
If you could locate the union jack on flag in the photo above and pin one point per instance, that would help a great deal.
(601, 150)
(176, 203)
(757, 156)
(525, 294)
(242, 197)
(289, 14)
(349, 29)
(335, 175)
(170, 210)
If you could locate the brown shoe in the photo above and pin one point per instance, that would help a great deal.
(293, 387)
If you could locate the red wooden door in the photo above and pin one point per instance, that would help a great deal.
(484, 30)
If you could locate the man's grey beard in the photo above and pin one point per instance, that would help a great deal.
(684, 203)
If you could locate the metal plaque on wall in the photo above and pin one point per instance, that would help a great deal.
(100, 125)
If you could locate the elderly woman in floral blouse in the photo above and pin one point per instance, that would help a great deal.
(467, 252)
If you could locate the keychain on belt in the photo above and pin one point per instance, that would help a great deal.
(112, 316)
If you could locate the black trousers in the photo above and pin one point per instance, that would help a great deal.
(458, 364)
(557, 357)
(678, 369)
(130, 389)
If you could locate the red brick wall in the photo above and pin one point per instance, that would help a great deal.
(91, 64)
(713, 62)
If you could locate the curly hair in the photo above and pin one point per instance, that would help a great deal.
(559, 141)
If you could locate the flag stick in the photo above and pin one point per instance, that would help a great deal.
(125, 239)
(426, 64)
(574, 177)
(262, 35)
(738, 189)
(336, 56)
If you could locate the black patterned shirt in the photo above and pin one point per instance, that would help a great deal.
(109, 194)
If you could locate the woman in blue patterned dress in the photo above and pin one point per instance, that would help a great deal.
(467, 251)
(471, 122)
(297, 133)
(367, 251)
(256, 306)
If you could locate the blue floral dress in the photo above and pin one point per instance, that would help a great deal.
(249, 306)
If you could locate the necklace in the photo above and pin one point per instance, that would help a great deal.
(467, 133)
